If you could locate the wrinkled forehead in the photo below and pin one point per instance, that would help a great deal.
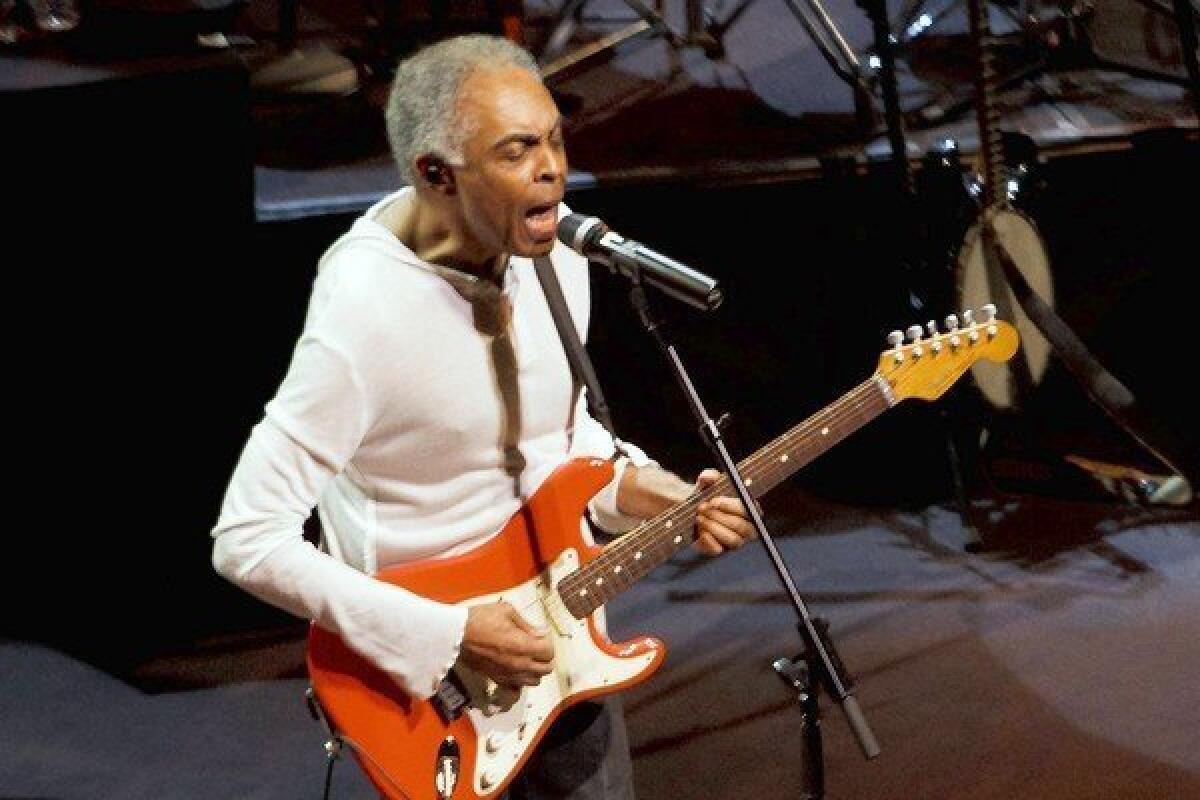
(495, 103)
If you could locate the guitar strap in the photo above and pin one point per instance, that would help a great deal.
(582, 372)
(1103, 387)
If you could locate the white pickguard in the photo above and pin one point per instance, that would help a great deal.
(506, 721)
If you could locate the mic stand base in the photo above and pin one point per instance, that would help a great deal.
(798, 673)
(820, 663)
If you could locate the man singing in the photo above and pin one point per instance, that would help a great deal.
(429, 396)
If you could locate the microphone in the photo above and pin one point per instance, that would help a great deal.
(590, 237)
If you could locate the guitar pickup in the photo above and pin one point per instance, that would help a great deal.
(450, 699)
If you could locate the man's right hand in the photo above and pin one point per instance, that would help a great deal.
(499, 643)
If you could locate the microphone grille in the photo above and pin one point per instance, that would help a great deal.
(574, 230)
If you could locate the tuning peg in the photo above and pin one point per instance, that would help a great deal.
(969, 320)
(895, 338)
(914, 333)
(989, 319)
(936, 344)
(952, 329)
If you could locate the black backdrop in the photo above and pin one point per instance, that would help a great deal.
(159, 319)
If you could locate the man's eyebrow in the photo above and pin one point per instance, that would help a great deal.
(527, 138)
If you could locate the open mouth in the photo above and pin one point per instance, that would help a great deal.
(541, 222)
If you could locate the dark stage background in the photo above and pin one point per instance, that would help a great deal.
(180, 314)
(159, 316)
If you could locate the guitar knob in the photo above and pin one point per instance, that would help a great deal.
(914, 333)
(895, 339)
(488, 779)
(493, 742)
(968, 317)
(952, 322)
(989, 313)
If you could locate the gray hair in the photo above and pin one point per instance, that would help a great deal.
(421, 110)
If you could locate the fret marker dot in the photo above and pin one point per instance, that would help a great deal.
(583, 592)
(599, 581)
(617, 569)
(678, 539)
(670, 524)
(637, 556)
(824, 431)
(749, 481)
(783, 457)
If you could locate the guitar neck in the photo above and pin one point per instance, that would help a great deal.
(991, 145)
(636, 553)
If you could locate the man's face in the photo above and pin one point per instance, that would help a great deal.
(515, 164)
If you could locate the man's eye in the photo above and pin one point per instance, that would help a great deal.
(515, 152)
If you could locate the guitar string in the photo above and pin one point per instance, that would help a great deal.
(847, 408)
(764, 464)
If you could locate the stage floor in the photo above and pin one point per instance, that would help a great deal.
(1061, 666)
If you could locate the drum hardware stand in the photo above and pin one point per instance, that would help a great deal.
(838, 54)
(824, 33)
(818, 663)
(706, 31)
(650, 22)
(1046, 44)
(885, 46)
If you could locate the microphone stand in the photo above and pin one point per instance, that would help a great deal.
(818, 663)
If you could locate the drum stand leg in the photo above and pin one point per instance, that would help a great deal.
(876, 11)
(966, 508)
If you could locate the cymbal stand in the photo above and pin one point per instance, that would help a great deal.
(823, 31)
(554, 60)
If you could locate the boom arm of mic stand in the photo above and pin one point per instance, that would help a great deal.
(823, 657)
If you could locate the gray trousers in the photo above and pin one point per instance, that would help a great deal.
(584, 756)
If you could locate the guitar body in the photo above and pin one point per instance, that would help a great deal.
(980, 272)
(978, 281)
(405, 745)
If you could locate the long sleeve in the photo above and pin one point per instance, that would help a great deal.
(309, 434)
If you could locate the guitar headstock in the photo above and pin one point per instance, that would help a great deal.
(933, 360)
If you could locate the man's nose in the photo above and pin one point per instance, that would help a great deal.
(552, 165)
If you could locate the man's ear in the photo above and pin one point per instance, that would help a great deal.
(435, 173)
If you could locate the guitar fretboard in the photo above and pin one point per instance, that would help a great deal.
(991, 144)
(632, 556)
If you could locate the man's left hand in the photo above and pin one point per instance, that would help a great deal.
(721, 522)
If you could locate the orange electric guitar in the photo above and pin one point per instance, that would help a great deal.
(470, 740)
